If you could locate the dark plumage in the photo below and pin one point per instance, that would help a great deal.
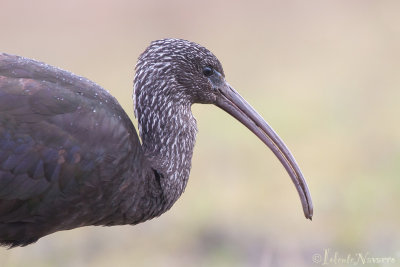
(70, 156)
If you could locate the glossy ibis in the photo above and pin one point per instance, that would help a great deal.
(70, 156)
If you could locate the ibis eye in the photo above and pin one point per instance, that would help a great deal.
(207, 71)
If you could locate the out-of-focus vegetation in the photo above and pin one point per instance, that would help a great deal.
(324, 74)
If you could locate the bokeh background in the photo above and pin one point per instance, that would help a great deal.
(324, 74)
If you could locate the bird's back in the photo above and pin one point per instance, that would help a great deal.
(66, 147)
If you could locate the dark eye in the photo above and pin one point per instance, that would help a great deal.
(208, 71)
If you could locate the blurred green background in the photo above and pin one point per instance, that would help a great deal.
(324, 74)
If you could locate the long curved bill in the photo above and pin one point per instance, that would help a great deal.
(235, 105)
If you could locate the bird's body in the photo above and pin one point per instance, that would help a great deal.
(71, 157)
(63, 155)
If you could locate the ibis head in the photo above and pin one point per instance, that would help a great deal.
(179, 73)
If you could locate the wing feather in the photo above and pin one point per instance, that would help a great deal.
(62, 138)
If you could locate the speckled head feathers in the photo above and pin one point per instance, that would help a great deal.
(174, 67)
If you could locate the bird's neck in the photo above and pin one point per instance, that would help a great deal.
(168, 132)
